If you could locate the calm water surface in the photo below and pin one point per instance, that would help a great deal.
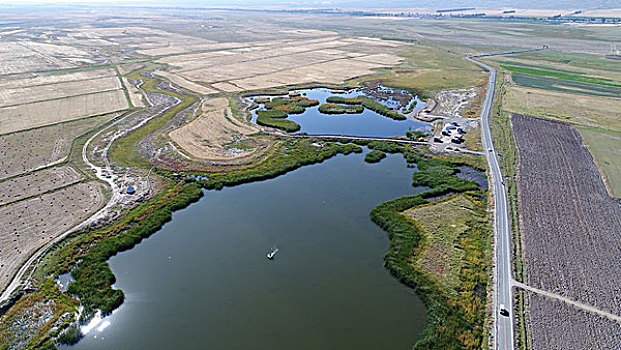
(203, 281)
(368, 123)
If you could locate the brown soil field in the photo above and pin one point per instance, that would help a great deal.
(265, 64)
(570, 226)
(32, 184)
(24, 95)
(54, 111)
(215, 135)
(35, 79)
(574, 108)
(554, 324)
(31, 223)
(22, 56)
(28, 150)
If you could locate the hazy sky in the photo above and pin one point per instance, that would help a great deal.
(551, 4)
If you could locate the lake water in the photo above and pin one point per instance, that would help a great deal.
(367, 123)
(204, 282)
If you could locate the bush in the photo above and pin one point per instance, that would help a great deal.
(344, 100)
(290, 109)
(381, 109)
(331, 108)
(276, 119)
(416, 135)
(374, 156)
(272, 114)
(70, 336)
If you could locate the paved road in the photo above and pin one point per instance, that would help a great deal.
(503, 335)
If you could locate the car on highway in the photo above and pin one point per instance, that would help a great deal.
(503, 310)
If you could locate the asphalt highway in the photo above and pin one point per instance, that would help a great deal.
(502, 294)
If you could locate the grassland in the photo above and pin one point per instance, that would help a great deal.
(444, 223)
(594, 111)
(425, 81)
(456, 317)
(605, 146)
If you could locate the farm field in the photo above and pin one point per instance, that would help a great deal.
(60, 110)
(215, 135)
(25, 151)
(556, 325)
(24, 95)
(32, 223)
(571, 227)
(18, 188)
(562, 85)
(605, 147)
(22, 57)
(267, 64)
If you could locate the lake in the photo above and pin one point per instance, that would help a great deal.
(204, 282)
(368, 123)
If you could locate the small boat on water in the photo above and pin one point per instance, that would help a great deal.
(270, 255)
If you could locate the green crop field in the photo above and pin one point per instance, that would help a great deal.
(560, 75)
(554, 84)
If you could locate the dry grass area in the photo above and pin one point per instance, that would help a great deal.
(570, 226)
(55, 111)
(215, 135)
(25, 151)
(31, 223)
(585, 110)
(444, 222)
(18, 188)
(265, 64)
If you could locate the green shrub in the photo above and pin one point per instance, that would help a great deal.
(344, 100)
(416, 135)
(290, 109)
(380, 109)
(272, 114)
(331, 108)
(374, 156)
(70, 336)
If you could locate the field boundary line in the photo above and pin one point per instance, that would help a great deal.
(566, 300)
